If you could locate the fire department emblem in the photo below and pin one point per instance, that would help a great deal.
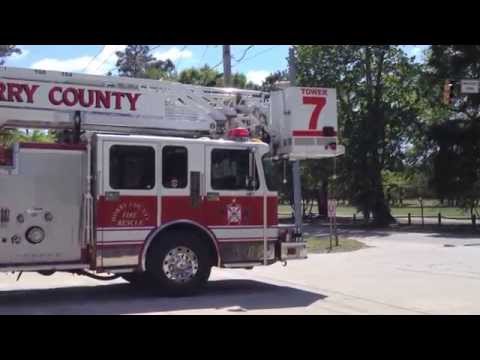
(130, 214)
(234, 213)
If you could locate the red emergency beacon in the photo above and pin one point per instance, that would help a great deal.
(239, 134)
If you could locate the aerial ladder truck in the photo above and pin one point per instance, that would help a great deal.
(152, 181)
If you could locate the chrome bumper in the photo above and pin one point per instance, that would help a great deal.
(293, 250)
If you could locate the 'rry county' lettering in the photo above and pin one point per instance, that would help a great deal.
(69, 96)
(13, 92)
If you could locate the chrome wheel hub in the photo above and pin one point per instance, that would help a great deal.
(180, 264)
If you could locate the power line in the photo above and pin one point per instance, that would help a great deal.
(104, 61)
(220, 63)
(91, 60)
(180, 59)
(258, 54)
(203, 55)
(244, 53)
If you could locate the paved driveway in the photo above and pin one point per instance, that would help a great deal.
(399, 273)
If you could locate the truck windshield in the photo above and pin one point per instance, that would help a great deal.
(270, 170)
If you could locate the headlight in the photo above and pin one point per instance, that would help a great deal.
(35, 235)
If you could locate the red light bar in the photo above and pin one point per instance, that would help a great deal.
(238, 133)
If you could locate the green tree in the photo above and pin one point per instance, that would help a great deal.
(9, 137)
(455, 134)
(252, 86)
(207, 76)
(160, 70)
(378, 104)
(8, 50)
(204, 76)
(136, 61)
(239, 81)
(269, 84)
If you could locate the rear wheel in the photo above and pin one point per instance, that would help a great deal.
(178, 263)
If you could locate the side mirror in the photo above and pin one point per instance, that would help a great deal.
(251, 183)
(252, 168)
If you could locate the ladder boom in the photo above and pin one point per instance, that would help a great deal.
(48, 99)
(299, 123)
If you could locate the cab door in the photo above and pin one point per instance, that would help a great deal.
(127, 202)
(233, 204)
(182, 182)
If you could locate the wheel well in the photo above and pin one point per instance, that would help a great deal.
(201, 233)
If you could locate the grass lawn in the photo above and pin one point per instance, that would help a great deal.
(321, 244)
(285, 211)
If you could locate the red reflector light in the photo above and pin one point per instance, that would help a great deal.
(6, 157)
(238, 133)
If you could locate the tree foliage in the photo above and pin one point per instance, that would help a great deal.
(378, 108)
(12, 136)
(204, 76)
(455, 135)
(8, 50)
(208, 76)
(136, 61)
(270, 82)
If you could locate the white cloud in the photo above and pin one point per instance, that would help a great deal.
(24, 54)
(173, 54)
(104, 62)
(257, 76)
(68, 65)
(98, 65)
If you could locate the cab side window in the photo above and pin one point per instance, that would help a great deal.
(132, 167)
(175, 167)
(230, 169)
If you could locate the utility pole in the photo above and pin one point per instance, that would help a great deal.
(227, 66)
(297, 185)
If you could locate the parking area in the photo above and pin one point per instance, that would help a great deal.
(398, 273)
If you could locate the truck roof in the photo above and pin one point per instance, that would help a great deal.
(180, 140)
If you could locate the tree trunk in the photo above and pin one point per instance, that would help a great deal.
(381, 209)
(381, 213)
(322, 200)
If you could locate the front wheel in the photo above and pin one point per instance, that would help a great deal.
(178, 263)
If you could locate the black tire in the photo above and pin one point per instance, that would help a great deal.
(162, 249)
(136, 279)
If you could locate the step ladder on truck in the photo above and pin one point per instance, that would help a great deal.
(152, 181)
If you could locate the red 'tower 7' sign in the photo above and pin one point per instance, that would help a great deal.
(319, 103)
(315, 113)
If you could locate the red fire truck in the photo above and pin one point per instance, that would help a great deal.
(153, 181)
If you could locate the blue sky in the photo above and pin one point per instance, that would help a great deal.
(258, 62)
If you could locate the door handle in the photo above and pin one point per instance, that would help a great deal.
(195, 188)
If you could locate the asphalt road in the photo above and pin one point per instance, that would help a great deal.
(399, 273)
